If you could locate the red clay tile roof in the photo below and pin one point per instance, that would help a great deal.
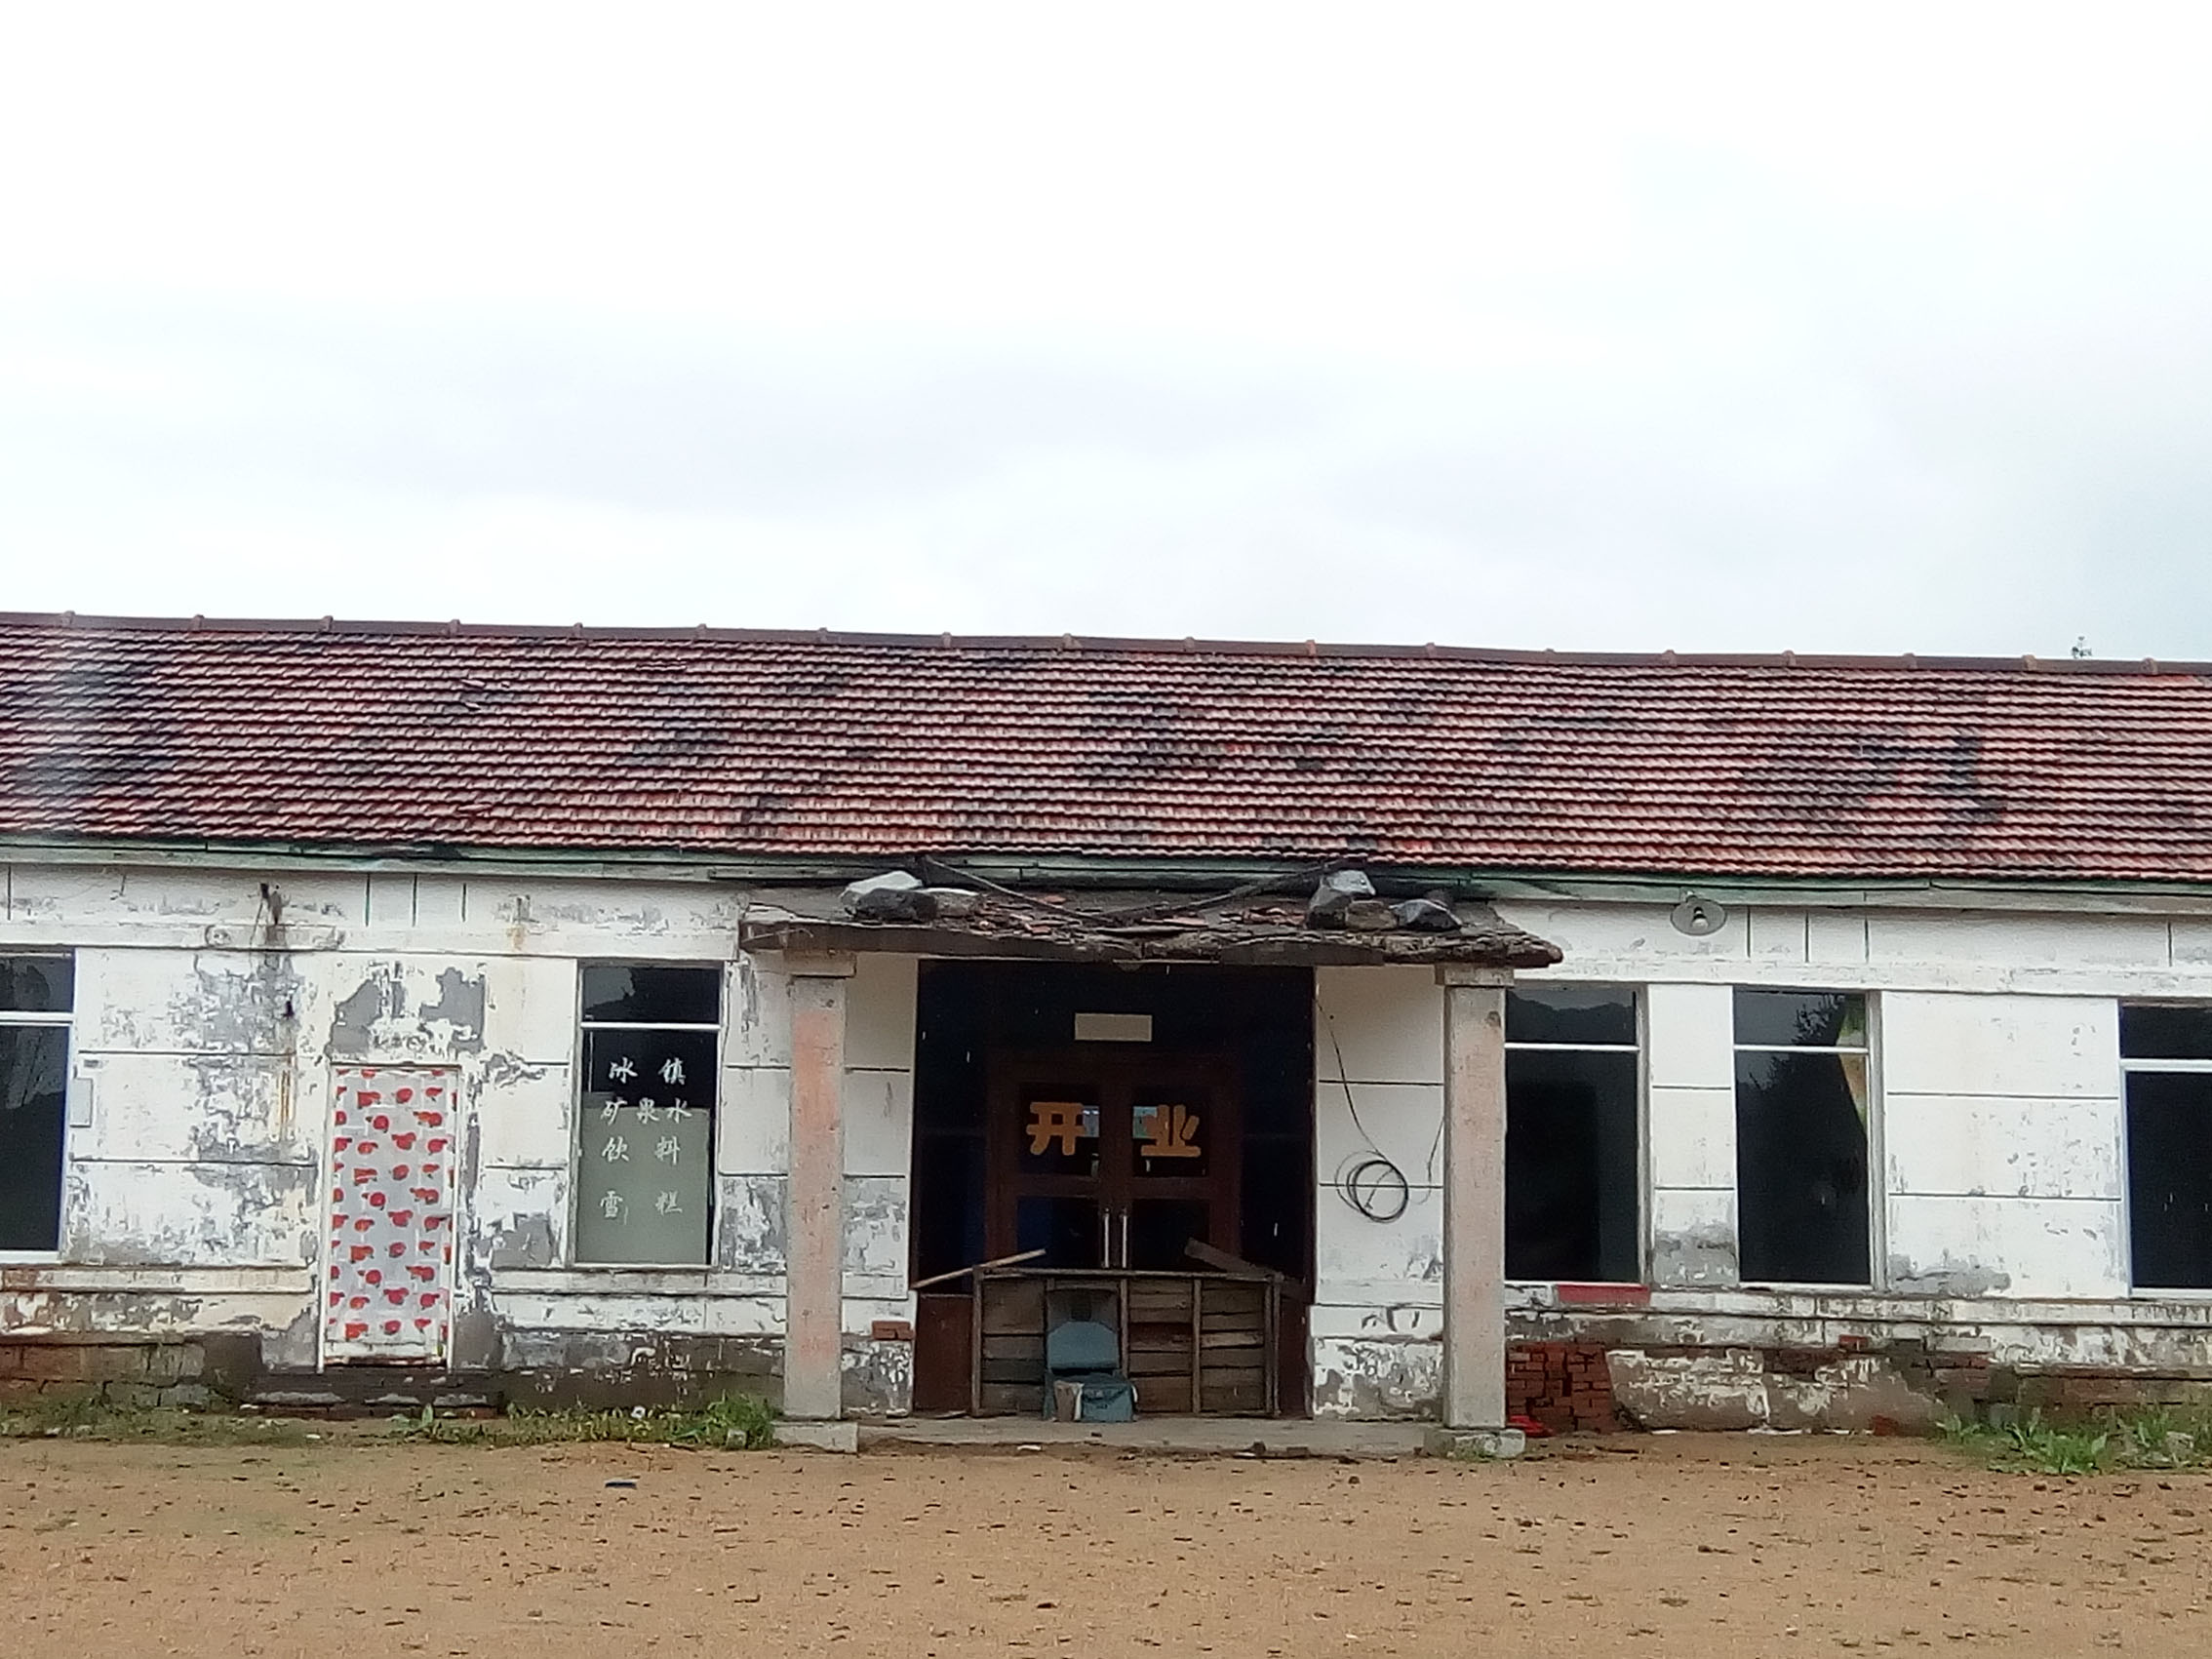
(413, 736)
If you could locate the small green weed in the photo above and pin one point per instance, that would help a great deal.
(2151, 1439)
(737, 1421)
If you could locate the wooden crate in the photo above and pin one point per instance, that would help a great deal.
(1191, 1343)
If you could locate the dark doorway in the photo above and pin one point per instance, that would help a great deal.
(1117, 1182)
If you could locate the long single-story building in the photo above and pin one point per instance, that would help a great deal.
(1323, 1029)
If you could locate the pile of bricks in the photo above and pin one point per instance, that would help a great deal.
(1563, 1386)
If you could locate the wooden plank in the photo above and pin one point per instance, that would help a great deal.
(1143, 1365)
(1227, 1296)
(1252, 1339)
(936, 1278)
(1030, 1371)
(1144, 1305)
(1197, 1250)
(1013, 1400)
(1014, 1348)
(975, 1349)
(1012, 1307)
(944, 1358)
(1164, 1397)
(1158, 1334)
(1198, 1328)
(1274, 1362)
(1234, 1321)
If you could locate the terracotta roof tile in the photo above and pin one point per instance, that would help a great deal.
(701, 742)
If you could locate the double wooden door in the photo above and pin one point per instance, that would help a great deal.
(1112, 1161)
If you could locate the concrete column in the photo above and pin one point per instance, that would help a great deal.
(1473, 1197)
(813, 1340)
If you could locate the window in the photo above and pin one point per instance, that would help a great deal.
(1571, 1145)
(34, 1085)
(2166, 1057)
(644, 1118)
(1801, 1105)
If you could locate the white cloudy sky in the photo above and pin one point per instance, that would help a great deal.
(1829, 328)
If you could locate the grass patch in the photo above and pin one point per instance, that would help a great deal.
(2158, 1438)
(734, 1421)
(86, 1416)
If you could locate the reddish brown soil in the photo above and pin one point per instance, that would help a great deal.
(1701, 1547)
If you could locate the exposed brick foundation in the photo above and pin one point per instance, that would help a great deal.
(1563, 1386)
(186, 1371)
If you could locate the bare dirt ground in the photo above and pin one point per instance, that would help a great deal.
(1704, 1546)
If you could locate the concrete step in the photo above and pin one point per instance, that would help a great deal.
(369, 1391)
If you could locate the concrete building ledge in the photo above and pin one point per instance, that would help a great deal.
(1474, 1442)
(819, 1436)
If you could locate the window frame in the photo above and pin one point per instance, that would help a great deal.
(2128, 1067)
(67, 1020)
(579, 1026)
(1878, 1163)
(1641, 1049)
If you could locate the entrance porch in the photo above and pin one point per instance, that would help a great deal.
(1129, 1093)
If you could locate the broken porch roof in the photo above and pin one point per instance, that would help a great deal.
(414, 736)
(1242, 930)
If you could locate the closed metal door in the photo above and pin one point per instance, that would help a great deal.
(387, 1292)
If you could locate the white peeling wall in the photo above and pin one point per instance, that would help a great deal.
(1691, 1135)
(1378, 1056)
(204, 1049)
(1999, 1126)
(2002, 1126)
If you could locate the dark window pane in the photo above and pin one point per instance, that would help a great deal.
(1277, 1197)
(1572, 1167)
(35, 984)
(1810, 1019)
(2159, 1031)
(1065, 1229)
(1159, 1229)
(1570, 1013)
(1802, 1167)
(948, 1230)
(34, 1069)
(652, 994)
(2169, 1179)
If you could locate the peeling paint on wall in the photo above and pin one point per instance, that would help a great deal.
(1698, 1255)
(191, 1214)
(875, 1224)
(239, 1002)
(371, 1020)
(750, 1232)
(1946, 1278)
(1377, 1378)
(878, 1377)
(1736, 1389)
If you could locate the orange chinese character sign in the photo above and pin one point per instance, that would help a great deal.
(1053, 1121)
(1171, 1131)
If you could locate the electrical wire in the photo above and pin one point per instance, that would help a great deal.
(1374, 1186)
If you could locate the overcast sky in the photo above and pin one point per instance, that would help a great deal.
(1825, 328)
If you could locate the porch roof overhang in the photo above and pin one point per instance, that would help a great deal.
(1139, 927)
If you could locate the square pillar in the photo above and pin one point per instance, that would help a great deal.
(1474, 1197)
(813, 1339)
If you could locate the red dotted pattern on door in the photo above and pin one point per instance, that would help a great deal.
(391, 1215)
